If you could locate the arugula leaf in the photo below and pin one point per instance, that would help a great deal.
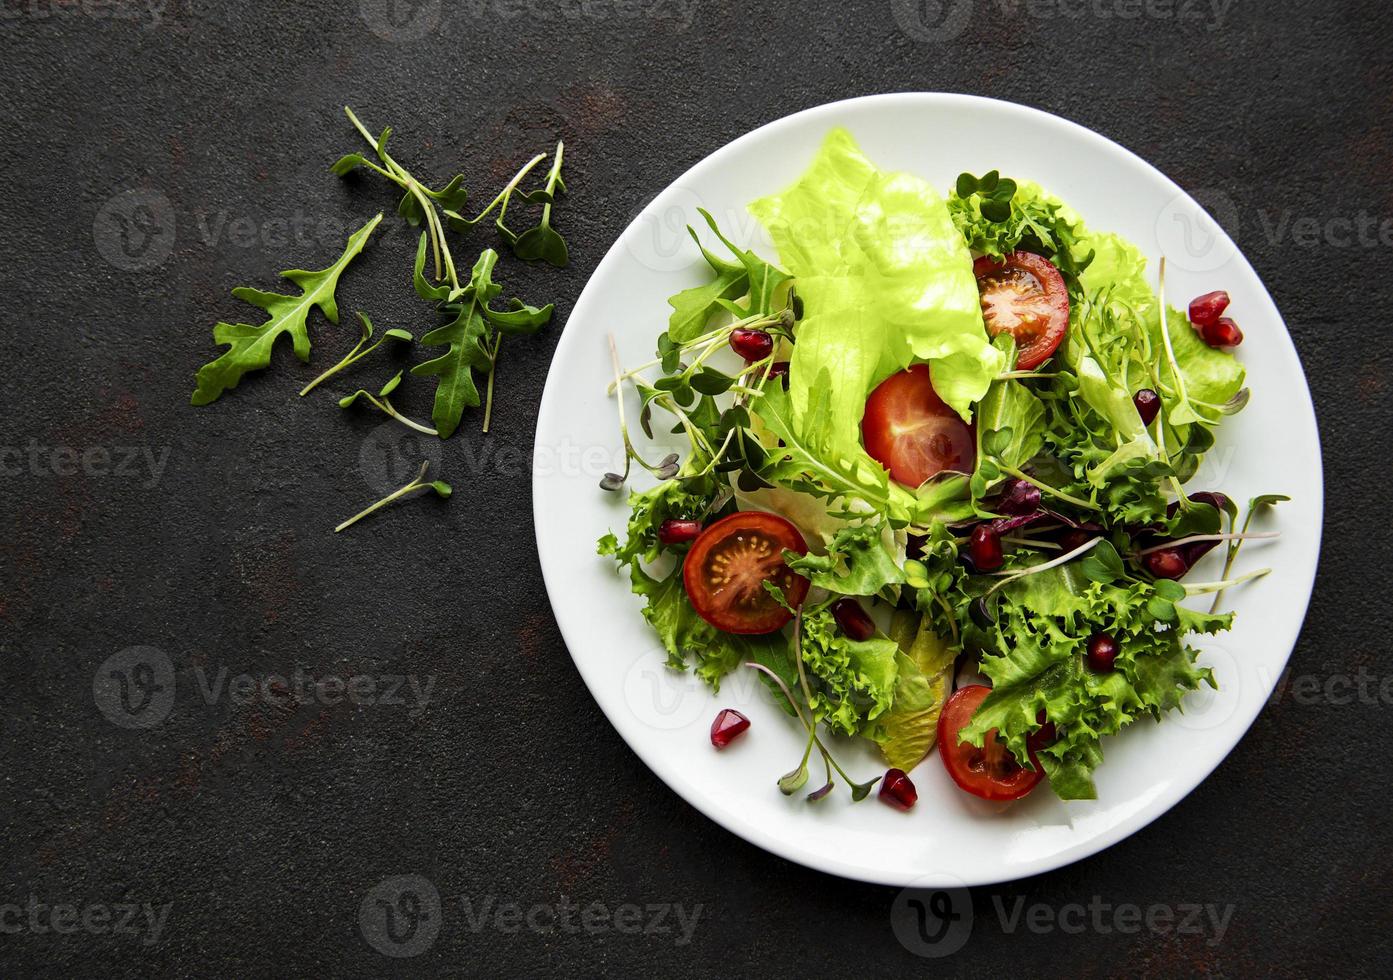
(249, 346)
(857, 562)
(418, 201)
(763, 279)
(693, 308)
(473, 338)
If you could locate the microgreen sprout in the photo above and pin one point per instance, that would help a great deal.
(383, 404)
(419, 202)
(440, 487)
(358, 352)
(665, 470)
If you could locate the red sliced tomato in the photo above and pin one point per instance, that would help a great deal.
(990, 772)
(909, 431)
(1024, 295)
(727, 566)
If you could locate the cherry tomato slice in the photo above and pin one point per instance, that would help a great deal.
(729, 563)
(909, 431)
(1024, 295)
(990, 772)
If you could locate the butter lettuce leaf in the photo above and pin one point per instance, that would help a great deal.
(887, 281)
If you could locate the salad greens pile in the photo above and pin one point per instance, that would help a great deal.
(876, 274)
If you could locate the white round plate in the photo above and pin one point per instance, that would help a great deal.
(949, 838)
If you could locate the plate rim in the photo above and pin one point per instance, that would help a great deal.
(686, 788)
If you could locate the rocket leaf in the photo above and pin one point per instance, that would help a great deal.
(473, 336)
(249, 345)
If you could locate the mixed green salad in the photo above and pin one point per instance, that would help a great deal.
(958, 444)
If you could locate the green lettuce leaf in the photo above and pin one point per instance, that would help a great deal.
(852, 682)
(688, 639)
(887, 281)
(923, 678)
(1033, 654)
(856, 563)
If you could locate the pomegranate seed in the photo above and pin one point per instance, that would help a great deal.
(897, 790)
(752, 345)
(1102, 653)
(1020, 498)
(1223, 333)
(984, 549)
(854, 621)
(1075, 538)
(674, 531)
(729, 725)
(1148, 404)
(779, 369)
(1044, 735)
(1206, 309)
(1166, 564)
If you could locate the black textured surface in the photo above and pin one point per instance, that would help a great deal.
(265, 828)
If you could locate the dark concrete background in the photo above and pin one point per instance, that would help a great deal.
(267, 827)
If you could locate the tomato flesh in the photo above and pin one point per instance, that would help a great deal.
(1024, 295)
(910, 431)
(727, 566)
(990, 772)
